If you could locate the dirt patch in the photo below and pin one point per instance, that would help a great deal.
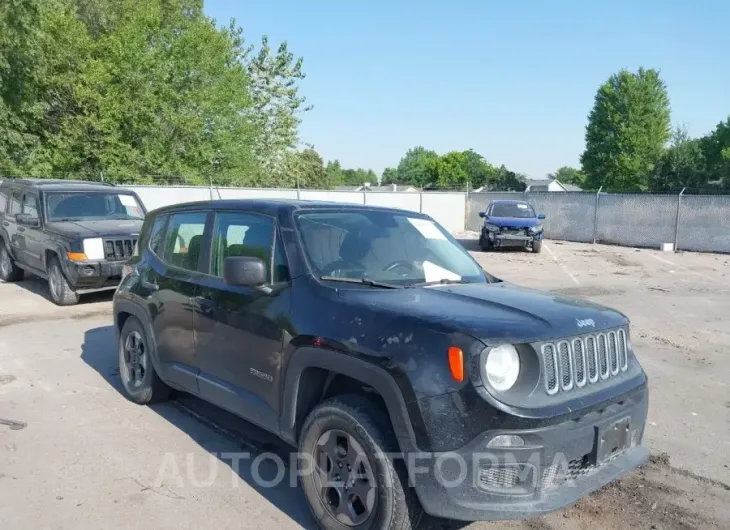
(621, 260)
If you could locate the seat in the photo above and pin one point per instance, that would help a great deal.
(193, 256)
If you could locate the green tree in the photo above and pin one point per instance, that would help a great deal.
(682, 164)
(390, 176)
(716, 149)
(506, 180)
(413, 168)
(334, 173)
(570, 175)
(277, 105)
(627, 130)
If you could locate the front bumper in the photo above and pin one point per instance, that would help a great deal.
(499, 240)
(557, 466)
(91, 276)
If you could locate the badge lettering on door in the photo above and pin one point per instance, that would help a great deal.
(261, 375)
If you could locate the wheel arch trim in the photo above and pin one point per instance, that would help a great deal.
(339, 363)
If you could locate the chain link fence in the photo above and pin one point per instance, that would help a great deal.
(690, 222)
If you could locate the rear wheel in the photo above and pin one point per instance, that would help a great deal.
(9, 271)
(537, 246)
(61, 291)
(352, 483)
(139, 378)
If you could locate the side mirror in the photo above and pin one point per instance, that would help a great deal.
(244, 271)
(541, 216)
(482, 214)
(26, 219)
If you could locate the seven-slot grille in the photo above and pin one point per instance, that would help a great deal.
(119, 249)
(572, 363)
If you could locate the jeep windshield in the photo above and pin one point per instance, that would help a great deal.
(92, 206)
(385, 247)
(520, 210)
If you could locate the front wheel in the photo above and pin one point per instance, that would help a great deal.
(347, 479)
(485, 244)
(537, 246)
(9, 271)
(61, 291)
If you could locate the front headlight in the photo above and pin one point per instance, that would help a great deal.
(94, 248)
(536, 229)
(502, 367)
(491, 227)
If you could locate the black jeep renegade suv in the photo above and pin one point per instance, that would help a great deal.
(75, 234)
(410, 379)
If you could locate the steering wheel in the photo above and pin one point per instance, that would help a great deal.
(398, 263)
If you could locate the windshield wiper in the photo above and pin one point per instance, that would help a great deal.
(442, 281)
(362, 281)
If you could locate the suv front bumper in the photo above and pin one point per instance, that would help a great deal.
(558, 465)
(91, 276)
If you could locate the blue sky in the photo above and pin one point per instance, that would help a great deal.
(513, 80)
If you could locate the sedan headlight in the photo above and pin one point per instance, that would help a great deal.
(502, 367)
(536, 229)
(491, 227)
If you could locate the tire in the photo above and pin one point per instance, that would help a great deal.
(140, 387)
(485, 244)
(537, 246)
(9, 271)
(367, 433)
(61, 291)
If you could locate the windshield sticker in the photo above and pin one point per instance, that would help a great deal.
(523, 206)
(428, 229)
(434, 273)
(128, 200)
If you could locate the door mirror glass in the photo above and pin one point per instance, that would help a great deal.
(541, 216)
(482, 214)
(26, 219)
(244, 271)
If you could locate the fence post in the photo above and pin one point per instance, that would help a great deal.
(595, 216)
(210, 180)
(420, 204)
(466, 207)
(364, 196)
(298, 195)
(676, 225)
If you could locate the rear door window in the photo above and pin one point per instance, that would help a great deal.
(184, 240)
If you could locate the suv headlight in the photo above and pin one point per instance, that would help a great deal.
(536, 229)
(491, 227)
(94, 248)
(502, 367)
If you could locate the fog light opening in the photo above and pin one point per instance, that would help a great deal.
(506, 440)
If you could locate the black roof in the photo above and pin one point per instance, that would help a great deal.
(60, 184)
(276, 206)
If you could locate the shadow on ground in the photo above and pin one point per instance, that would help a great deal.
(215, 429)
(39, 287)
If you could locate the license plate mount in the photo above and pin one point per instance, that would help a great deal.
(613, 440)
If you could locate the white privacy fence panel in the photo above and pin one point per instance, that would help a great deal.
(403, 200)
(448, 209)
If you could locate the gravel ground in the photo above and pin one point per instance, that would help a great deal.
(84, 457)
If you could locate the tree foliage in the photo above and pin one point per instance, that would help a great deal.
(627, 131)
(414, 168)
(126, 90)
(569, 175)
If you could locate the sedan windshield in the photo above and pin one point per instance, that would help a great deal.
(512, 210)
(95, 206)
(384, 247)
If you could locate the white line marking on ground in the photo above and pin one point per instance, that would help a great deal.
(562, 265)
(676, 265)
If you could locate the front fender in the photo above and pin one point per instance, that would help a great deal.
(368, 373)
(122, 304)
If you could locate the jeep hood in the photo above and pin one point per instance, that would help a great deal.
(517, 222)
(88, 229)
(497, 312)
